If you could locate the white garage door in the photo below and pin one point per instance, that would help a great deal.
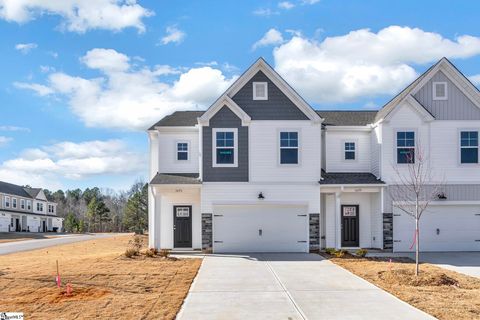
(4, 222)
(260, 228)
(442, 228)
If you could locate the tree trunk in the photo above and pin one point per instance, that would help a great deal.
(417, 246)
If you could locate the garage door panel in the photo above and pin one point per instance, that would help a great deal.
(260, 229)
(442, 228)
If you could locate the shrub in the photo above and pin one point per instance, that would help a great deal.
(361, 252)
(164, 253)
(136, 243)
(330, 251)
(131, 252)
(340, 253)
(151, 252)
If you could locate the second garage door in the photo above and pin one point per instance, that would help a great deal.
(260, 228)
(442, 228)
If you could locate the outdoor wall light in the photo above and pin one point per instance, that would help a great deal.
(442, 196)
(260, 196)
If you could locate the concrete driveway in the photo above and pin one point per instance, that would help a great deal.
(286, 286)
(464, 262)
(18, 246)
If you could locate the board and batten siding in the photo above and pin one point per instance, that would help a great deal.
(265, 152)
(335, 155)
(167, 144)
(225, 118)
(457, 106)
(277, 107)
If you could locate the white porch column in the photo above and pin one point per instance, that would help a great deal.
(154, 210)
(338, 222)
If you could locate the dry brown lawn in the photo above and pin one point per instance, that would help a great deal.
(442, 293)
(105, 284)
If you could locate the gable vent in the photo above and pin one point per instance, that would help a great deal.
(260, 91)
(439, 91)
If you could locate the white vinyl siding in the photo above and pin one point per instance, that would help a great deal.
(167, 149)
(335, 151)
(182, 150)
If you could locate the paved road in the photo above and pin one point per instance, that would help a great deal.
(287, 286)
(12, 247)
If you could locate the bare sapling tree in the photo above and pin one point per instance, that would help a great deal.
(414, 189)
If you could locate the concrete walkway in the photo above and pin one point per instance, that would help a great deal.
(286, 286)
(27, 245)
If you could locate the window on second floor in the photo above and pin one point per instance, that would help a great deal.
(225, 148)
(349, 150)
(289, 147)
(182, 151)
(22, 204)
(405, 147)
(14, 203)
(7, 202)
(29, 205)
(39, 206)
(469, 147)
(51, 208)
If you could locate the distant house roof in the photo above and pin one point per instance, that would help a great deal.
(176, 178)
(13, 189)
(347, 118)
(332, 118)
(349, 178)
(33, 192)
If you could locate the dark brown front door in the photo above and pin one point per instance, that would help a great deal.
(182, 226)
(350, 225)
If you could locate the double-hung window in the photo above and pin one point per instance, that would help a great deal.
(182, 151)
(22, 204)
(29, 205)
(288, 147)
(225, 150)
(469, 147)
(14, 203)
(39, 207)
(350, 150)
(405, 147)
(7, 202)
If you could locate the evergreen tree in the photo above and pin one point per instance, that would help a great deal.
(135, 217)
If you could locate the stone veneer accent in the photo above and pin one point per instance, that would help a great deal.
(207, 235)
(314, 221)
(388, 231)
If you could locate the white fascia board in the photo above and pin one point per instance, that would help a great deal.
(349, 128)
(417, 107)
(177, 129)
(225, 100)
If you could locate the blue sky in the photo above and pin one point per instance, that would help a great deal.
(80, 84)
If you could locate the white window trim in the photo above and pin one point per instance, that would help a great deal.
(299, 147)
(355, 141)
(395, 146)
(434, 90)
(29, 205)
(235, 148)
(9, 202)
(22, 204)
(255, 97)
(16, 203)
(176, 151)
(459, 148)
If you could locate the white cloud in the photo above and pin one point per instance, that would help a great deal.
(174, 35)
(25, 48)
(287, 5)
(310, 1)
(475, 79)
(79, 15)
(265, 12)
(4, 140)
(272, 37)
(40, 89)
(363, 63)
(14, 128)
(129, 98)
(47, 165)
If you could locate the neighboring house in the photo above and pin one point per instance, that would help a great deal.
(27, 209)
(261, 171)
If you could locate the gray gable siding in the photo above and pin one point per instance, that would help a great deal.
(225, 118)
(277, 107)
(456, 107)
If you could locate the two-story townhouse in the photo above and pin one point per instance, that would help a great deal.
(261, 171)
(27, 209)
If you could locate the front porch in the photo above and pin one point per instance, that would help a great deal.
(352, 216)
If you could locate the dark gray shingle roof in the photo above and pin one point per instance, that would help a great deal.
(347, 118)
(349, 178)
(13, 189)
(179, 119)
(176, 178)
(332, 118)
